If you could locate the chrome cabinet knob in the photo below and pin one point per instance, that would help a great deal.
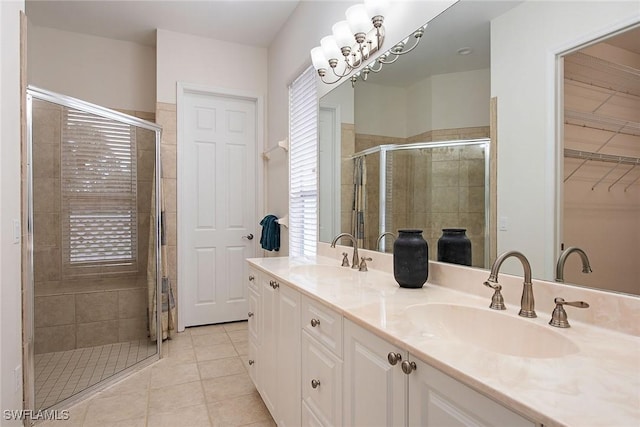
(276, 285)
(408, 367)
(250, 314)
(315, 383)
(251, 278)
(315, 322)
(394, 358)
(251, 362)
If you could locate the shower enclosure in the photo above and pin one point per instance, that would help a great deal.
(92, 277)
(428, 186)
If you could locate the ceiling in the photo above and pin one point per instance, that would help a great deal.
(249, 22)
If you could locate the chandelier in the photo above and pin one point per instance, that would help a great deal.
(354, 40)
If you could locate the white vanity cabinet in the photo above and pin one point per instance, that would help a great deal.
(409, 391)
(321, 365)
(375, 391)
(436, 399)
(277, 348)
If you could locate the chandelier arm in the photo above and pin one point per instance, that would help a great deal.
(386, 62)
(418, 38)
(348, 69)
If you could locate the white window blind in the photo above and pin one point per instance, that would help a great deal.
(303, 140)
(99, 194)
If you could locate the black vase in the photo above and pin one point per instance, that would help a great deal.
(410, 259)
(454, 246)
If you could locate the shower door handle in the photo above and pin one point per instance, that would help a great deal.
(248, 236)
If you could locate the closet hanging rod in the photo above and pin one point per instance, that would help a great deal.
(587, 155)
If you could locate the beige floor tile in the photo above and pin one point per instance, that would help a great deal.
(182, 355)
(176, 397)
(242, 347)
(239, 336)
(192, 416)
(167, 373)
(181, 340)
(111, 409)
(76, 417)
(210, 339)
(245, 361)
(221, 367)
(221, 388)
(203, 330)
(134, 383)
(212, 352)
(238, 411)
(137, 422)
(236, 326)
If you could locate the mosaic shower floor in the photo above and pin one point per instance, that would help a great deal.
(62, 374)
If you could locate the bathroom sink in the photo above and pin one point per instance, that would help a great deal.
(491, 330)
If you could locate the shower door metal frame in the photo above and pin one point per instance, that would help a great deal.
(28, 302)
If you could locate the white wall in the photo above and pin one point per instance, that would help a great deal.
(107, 72)
(10, 254)
(442, 101)
(523, 46)
(342, 96)
(460, 100)
(381, 110)
(213, 63)
(289, 56)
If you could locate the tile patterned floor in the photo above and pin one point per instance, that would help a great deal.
(202, 383)
(62, 374)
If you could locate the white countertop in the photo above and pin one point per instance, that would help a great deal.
(596, 384)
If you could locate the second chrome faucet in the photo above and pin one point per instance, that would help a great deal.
(527, 303)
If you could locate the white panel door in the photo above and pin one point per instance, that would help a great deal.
(218, 206)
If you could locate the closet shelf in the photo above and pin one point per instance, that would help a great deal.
(596, 121)
(587, 155)
(598, 72)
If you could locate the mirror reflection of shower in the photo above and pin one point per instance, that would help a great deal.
(94, 255)
(428, 186)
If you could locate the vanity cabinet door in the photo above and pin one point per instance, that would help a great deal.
(436, 399)
(321, 382)
(267, 356)
(288, 357)
(375, 392)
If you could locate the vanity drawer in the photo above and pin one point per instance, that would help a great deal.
(323, 324)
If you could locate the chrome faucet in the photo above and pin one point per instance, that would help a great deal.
(526, 302)
(355, 260)
(586, 267)
(380, 237)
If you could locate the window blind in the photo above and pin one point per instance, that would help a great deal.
(303, 140)
(99, 193)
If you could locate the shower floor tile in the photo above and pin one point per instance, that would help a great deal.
(62, 374)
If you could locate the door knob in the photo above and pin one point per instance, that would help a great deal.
(248, 236)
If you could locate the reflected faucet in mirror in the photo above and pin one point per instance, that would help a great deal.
(354, 260)
(526, 302)
(382, 236)
(586, 266)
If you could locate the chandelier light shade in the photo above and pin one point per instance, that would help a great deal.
(354, 40)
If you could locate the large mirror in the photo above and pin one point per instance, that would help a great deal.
(440, 94)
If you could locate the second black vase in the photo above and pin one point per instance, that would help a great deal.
(410, 259)
(454, 246)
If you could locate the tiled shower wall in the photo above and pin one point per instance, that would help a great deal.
(83, 311)
(433, 189)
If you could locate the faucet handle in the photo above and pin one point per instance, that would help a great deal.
(559, 315)
(497, 301)
(363, 263)
(345, 259)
